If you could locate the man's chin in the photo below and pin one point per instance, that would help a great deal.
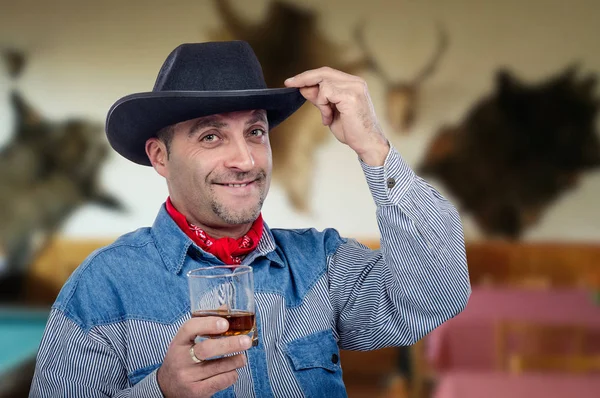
(235, 215)
(238, 219)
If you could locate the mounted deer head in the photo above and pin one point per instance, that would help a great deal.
(402, 98)
(286, 42)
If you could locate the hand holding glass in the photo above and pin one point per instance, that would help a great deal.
(226, 292)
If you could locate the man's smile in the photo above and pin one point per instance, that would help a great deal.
(239, 188)
(236, 184)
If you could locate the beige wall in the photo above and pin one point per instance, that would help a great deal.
(85, 55)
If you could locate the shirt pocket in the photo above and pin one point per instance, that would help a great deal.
(316, 363)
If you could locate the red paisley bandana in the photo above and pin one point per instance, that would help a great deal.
(230, 251)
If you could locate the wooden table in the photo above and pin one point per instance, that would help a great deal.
(502, 385)
(466, 342)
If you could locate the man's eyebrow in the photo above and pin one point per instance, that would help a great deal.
(258, 116)
(206, 122)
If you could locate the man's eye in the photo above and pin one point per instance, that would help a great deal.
(258, 132)
(209, 138)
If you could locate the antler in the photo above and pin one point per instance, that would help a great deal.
(430, 67)
(369, 58)
(231, 19)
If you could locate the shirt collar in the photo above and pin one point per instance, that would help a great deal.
(174, 245)
(266, 248)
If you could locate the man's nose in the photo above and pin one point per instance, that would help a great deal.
(240, 156)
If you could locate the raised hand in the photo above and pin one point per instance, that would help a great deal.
(347, 109)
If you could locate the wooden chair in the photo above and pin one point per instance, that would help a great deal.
(367, 373)
(522, 346)
(423, 374)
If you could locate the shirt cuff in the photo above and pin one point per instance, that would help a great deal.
(389, 183)
(147, 388)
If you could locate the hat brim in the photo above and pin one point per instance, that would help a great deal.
(133, 119)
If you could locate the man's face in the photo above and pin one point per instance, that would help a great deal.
(219, 167)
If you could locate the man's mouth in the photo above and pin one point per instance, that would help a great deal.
(236, 184)
(244, 182)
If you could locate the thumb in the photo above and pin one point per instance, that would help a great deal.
(312, 95)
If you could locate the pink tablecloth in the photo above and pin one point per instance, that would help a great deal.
(467, 341)
(502, 385)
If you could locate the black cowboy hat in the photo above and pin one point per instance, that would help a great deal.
(197, 79)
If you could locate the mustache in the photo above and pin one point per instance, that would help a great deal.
(234, 177)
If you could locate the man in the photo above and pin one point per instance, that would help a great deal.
(121, 325)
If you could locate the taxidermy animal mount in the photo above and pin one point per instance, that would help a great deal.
(518, 150)
(47, 171)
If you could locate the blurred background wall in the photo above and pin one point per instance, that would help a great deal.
(82, 56)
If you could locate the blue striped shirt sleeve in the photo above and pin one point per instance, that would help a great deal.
(418, 278)
(65, 361)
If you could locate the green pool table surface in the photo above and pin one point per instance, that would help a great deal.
(21, 330)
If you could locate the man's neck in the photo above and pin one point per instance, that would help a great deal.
(218, 232)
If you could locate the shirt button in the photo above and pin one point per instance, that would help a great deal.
(391, 182)
(335, 358)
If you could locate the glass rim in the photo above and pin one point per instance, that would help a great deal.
(195, 272)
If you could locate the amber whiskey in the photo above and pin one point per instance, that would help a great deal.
(240, 322)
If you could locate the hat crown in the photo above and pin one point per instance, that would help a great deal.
(212, 66)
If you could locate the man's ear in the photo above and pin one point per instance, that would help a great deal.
(157, 153)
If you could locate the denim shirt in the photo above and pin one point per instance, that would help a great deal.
(315, 293)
